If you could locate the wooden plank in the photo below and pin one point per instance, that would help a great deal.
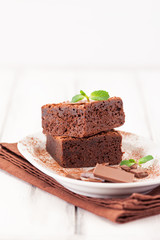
(90, 224)
(123, 85)
(26, 210)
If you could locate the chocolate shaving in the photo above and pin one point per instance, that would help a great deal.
(114, 166)
(76, 176)
(89, 177)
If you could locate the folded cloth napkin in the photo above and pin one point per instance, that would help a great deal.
(117, 210)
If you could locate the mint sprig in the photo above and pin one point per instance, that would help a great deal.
(145, 159)
(77, 98)
(99, 95)
(84, 94)
(130, 162)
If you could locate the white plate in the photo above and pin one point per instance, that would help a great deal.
(33, 149)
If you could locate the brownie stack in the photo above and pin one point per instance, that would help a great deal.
(81, 134)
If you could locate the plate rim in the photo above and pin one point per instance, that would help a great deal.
(49, 172)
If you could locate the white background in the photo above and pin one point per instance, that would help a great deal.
(49, 50)
(80, 33)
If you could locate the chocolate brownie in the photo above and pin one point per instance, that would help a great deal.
(82, 119)
(86, 152)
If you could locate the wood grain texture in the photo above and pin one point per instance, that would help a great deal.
(26, 209)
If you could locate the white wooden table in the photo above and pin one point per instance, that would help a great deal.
(27, 212)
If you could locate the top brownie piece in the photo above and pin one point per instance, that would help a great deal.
(82, 119)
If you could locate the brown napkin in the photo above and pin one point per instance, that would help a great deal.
(117, 210)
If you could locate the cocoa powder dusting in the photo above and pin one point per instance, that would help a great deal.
(153, 172)
(129, 141)
(37, 148)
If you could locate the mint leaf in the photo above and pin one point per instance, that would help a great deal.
(99, 95)
(84, 94)
(77, 98)
(145, 159)
(128, 163)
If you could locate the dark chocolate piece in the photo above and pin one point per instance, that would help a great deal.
(113, 174)
(125, 168)
(139, 173)
(89, 177)
(82, 119)
(86, 152)
(134, 166)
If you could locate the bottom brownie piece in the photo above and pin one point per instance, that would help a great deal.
(86, 152)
